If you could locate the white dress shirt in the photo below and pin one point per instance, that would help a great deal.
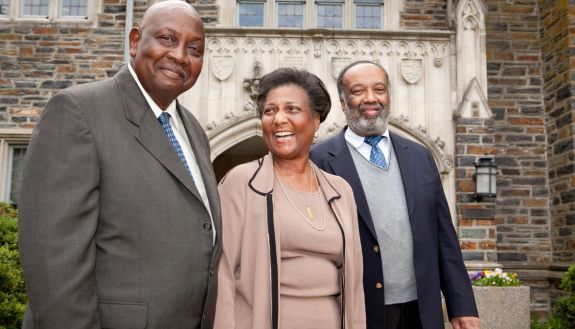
(182, 137)
(364, 149)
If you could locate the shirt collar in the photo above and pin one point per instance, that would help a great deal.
(171, 109)
(356, 141)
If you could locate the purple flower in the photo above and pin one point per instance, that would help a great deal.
(476, 276)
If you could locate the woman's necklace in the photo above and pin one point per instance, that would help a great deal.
(310, 216)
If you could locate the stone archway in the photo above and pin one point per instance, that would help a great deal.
(235, 142)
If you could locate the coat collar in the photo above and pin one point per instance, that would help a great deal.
(262, 181)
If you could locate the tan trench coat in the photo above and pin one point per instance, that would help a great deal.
(248, 281)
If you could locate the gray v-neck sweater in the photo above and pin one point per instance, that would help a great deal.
(386, 200)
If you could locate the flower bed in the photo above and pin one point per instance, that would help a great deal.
(496, 278)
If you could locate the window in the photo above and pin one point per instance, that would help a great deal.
(368, 14)
(309, 14)
(13, 147)
(329, 15)
(290, 14)
(4, 7)
(35, 8)
(251, 13)
(74, 8)
(49, 9)
(15, 167)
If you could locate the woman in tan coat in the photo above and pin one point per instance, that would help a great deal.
(291, 249)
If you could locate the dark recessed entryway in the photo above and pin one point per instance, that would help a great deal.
(245, 151)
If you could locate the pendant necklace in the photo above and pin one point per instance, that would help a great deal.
(309, 217)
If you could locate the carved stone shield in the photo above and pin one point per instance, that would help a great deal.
(222, 67)
(337, 64)
(412, 69)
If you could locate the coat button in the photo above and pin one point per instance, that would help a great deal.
(211, 271)
(376, 249)
(204, 316)
(207, 226)
(378, 285)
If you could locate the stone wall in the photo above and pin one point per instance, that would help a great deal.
(476, 227)
(38, 59)
(557, 19)
(515, 82)
(424, 15)
(515, 97)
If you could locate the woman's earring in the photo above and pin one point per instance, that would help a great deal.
(315, 135)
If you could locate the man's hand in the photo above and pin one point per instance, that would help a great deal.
(465, 322)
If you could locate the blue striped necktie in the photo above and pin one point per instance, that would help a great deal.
(165, 122)
(376, 156)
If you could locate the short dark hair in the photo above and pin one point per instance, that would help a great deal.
(319, 99)
(341, 87)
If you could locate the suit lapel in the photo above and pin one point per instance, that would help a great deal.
(342, 164)
(203, 160)
(149, 132)
(406, 165)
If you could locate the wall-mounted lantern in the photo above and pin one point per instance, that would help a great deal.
(485, 178)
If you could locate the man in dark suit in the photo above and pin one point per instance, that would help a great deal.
(410, 249)
(119, 208)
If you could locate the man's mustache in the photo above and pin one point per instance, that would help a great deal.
(380, 107)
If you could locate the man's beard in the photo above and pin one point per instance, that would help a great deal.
(363, 126)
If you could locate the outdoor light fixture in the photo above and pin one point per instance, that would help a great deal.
(485, 171)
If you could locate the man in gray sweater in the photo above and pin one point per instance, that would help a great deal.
(410, 249)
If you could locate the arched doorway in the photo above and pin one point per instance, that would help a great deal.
(242, 152)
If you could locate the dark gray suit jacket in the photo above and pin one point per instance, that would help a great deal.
(113, 232)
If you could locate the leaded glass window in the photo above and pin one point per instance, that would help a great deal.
(74, 8)
(329, 14)
(290, 14)
(251, 13)
(35, 7)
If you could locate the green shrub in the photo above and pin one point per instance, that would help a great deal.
(563, 315)
(12, 294)
(564, 308)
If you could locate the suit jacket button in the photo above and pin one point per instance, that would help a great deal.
(378, 285)
(204, 316)
(376, 249)
(207, 226)
(211, 271)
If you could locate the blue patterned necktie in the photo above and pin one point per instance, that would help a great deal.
(376, 156)
(165, 122)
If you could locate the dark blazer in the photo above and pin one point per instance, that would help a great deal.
(436, 254)
(113, 232)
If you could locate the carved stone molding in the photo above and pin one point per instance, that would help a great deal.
(470, 17)
(444, 161)
(297, 62)
(251, 85)
(474, 103)
(337, 64)
(231, 131)
(438, 51)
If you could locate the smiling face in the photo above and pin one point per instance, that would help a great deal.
(167, 50)
(288, 122)
(366, 99)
